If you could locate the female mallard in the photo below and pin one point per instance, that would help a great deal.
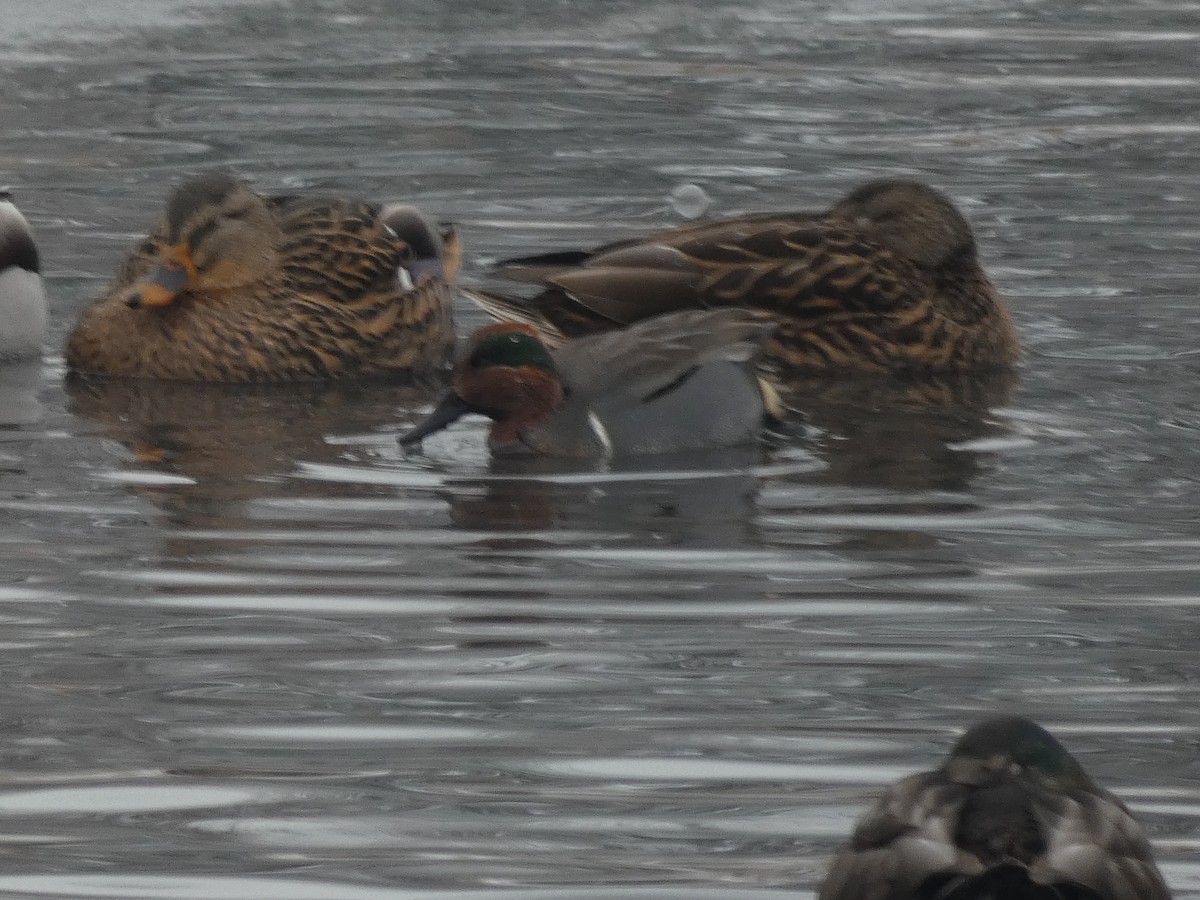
(887, 279)
(233, 286)
(22, 296)
(683, 381)
(1009, 816)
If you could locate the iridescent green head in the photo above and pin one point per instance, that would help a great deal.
(509, 345)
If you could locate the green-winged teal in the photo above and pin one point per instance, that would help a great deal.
(677, 382)
(22, 295)
(885, 280)
(234, 286)
(1010, 815)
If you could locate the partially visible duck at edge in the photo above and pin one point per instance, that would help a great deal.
(233, 286)
(886, 280)
(1010, 815)
(678, 382)
(22, 295)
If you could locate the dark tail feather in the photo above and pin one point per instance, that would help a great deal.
(541, 267)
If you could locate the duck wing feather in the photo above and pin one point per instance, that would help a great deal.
(650, 357)
(341, 250)
(929, 838)
(813, 272)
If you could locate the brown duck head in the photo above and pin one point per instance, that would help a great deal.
(217, 235)
(910, 218)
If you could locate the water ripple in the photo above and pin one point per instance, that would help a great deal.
(131, 798)
(256, 650)
(136, 886)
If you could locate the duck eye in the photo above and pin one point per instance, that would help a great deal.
(239, 213)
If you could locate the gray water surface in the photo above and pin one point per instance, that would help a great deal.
(251, 650)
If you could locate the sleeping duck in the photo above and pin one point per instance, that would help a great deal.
(234, 286)
(1010, 815)
(886, 280)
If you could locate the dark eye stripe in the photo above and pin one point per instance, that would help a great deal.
(238, 212)
(200, 232)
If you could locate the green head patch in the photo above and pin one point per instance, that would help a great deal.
(513, 349)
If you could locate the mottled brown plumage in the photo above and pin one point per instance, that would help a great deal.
(232, 286)
(886, 280)
(1010, 815)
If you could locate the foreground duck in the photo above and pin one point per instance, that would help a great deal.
(887, 279)
(678, 382)
(22, 295)
(234, 286)
(1009, 816)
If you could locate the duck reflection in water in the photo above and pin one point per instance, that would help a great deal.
(902, 433)
(895, 436)
(703, 498)
(231, 445)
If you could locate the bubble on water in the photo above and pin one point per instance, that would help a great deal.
(690, 200)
